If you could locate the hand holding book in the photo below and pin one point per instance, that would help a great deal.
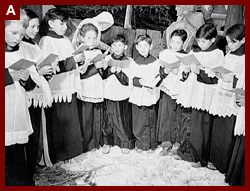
(150, 83)
(48, 60)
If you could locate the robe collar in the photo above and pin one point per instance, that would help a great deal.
(210, 49)
(53, 34)
(120, 57)
(240, 51)
(28, 40)
(11, 49)
(141, 60)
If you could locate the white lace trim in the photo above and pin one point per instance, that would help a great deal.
(18, 137)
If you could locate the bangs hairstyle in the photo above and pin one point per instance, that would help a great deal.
(119, 38)
(207, 31)
(181, 33)
(23, 20)
(31, 14)
(88, 27)
(51, 14)
(236, 32)
(144, 37)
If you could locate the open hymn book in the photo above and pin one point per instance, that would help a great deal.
(24, 64)
(119, 63)
(48, 60)
(170, 66)
(188, 60)
(191, 59)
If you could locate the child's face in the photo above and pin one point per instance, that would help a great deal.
(233, 45)
(89, 39)
(118, 48)
(14, 33)
(58, 26)
(33, 28)
(176, 43)
(204, 44)
(143, 48)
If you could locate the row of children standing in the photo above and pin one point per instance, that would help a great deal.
(209, 121)
(80, 119)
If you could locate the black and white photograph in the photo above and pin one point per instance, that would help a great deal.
(125, 95)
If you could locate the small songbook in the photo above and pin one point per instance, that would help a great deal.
(22, 64)
(153, 83)
(171, 66)
(80, 49)
(48, 60)
(188, 60)
(221, 70)
(237, 91)
(98, 57)
(119, 63)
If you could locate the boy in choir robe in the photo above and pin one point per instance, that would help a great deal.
(62, 120)
(223, 136)
(198, 93)
(117, 88)
(144, 95)
(168, 131)
(18, 126)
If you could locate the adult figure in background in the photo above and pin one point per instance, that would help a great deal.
(188, 20)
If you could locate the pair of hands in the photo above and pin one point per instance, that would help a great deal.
(115, 69)
(174, 71)
(49, 70)
(240, 100)
(100, 64)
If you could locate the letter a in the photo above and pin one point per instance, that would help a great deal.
(11, 10)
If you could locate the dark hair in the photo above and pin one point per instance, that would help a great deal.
(87, 27)
(207, 31)
(181, 33)
(236, 32)
(31, 14)
(51, 14)
(119, 38)
(144, 37)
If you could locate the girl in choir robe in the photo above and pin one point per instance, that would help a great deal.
(117, 89)
(144, 95)
(167, 130)
(18, 126)
(62, 121)
(90, 99)
(224, 107)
